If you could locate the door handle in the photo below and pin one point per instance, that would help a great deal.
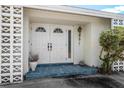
(48, 46)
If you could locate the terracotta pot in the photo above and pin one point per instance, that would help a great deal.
(33, 65)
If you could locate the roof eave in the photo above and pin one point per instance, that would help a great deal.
(75, 10)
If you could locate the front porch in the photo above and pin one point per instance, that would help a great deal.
(68, 45)
(59, 70)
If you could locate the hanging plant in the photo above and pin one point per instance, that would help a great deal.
(79, 31)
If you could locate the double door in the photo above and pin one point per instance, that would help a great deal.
(53, 43)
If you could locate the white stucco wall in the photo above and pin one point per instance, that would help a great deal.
(91, 40)
(96, 29)
(78, 48)
(87, 44)
(88, 50)
(25, 43)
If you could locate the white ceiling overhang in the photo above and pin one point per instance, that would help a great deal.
(75, 10)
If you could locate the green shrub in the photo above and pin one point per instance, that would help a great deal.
(112, 43)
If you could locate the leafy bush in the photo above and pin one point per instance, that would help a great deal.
(112, 43)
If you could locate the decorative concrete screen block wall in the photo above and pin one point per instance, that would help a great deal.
(118, 65)
(117, 22)
(11, 27)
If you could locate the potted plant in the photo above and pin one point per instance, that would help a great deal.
(33, 58)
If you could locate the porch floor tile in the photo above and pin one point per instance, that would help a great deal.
(60, 70)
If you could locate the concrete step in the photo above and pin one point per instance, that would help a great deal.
(60, 71)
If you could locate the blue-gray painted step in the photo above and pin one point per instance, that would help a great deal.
(60, 70)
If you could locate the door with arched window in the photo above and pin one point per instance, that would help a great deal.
(58, 40)
(61, 37)
(39, 42)
(53, 43)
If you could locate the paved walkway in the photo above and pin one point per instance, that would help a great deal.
(115, 80)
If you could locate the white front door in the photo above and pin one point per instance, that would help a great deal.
(52, 43)
(39, 42)
(58, 40)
